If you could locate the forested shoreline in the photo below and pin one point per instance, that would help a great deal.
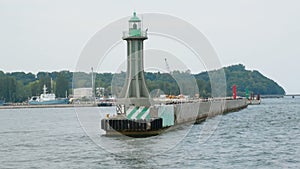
(20, 86)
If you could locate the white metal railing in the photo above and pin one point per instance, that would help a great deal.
(138, 33)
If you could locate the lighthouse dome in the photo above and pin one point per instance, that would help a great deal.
(134, 18)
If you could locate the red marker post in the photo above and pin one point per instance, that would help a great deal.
(234, 91)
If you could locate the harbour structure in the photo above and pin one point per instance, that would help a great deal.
(292, 95)
(138, 115)
(254, 100)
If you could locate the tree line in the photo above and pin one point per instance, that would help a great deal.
(20, 86)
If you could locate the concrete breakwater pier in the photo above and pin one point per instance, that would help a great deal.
(163, 116)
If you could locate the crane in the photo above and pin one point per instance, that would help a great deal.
(167, 66)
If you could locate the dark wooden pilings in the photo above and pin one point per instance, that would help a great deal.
(132, 125)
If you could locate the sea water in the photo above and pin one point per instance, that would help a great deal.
(261, 136)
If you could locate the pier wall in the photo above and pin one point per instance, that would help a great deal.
(193, 112)
(186, 112)
(233, 105)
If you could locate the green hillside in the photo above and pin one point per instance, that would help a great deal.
(242, 78)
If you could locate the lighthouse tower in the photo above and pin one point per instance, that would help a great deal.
(135, 115)
(134, 91)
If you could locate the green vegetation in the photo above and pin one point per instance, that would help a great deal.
(20, 86)
(254, 81)
(244, 79)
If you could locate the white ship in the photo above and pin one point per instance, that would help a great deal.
(47, 98)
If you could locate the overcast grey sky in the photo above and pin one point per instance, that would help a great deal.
(48, 35)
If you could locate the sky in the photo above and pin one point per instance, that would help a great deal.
(49, 35)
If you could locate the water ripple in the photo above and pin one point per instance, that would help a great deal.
(264, 136)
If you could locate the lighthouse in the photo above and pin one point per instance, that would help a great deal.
(135, 115)
(135, 92)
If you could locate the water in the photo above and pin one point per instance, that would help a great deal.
(263, 136)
